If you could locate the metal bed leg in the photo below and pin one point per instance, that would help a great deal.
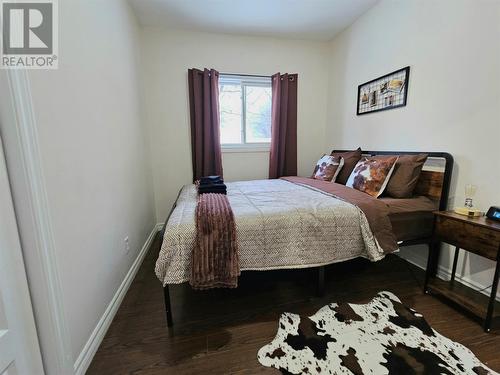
(321, 281)
(168, 308)
(432, 262)
(455, 260)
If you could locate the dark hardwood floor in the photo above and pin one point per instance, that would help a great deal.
(220, 331)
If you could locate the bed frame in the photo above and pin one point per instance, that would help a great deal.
(434, 184)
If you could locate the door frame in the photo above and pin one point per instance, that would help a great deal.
(19, 332)
(23, 159)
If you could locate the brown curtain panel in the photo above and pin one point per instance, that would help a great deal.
(283, 156)
(205, 131)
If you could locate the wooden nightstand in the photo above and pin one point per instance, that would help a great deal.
(480, 236)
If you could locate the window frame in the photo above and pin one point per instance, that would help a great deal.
(245, 81)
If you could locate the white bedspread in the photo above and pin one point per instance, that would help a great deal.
(279, 224)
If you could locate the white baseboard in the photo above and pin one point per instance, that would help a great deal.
(87, 354)
(444, 273)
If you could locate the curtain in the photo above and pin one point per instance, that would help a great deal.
(205, 131)
(283, 156)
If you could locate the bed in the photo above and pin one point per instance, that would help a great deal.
(411, 218)
(301, 223)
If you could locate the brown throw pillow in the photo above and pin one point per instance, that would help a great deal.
(350, 160)
(405, 176)
(371, 175)
(327, 168)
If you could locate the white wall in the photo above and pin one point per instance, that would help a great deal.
(94, 156)
(453, 49)
(243, 166)
(168, 54)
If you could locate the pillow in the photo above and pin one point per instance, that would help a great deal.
(371, 175)
(327, 168)
(350, 160)
(405, 175)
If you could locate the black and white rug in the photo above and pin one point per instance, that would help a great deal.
(380, 337)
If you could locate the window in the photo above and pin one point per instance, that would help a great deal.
(245, 111)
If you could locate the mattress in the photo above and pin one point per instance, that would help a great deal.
(279, 224)
(411, 218)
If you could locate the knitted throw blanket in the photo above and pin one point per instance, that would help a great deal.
(215, 260)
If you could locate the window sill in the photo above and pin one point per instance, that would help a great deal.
(245, 148)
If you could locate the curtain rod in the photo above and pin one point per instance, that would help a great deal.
(244, 75)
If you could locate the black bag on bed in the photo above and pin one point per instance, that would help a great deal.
(209, 180)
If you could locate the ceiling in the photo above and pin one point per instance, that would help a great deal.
(300, 19)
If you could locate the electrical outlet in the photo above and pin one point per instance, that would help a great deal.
(127, 245)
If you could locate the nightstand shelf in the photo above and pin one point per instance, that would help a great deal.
(478, 235)
(469, 299)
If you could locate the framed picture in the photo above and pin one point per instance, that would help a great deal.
(386, 92)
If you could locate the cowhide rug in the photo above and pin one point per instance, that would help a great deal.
(381, 337)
